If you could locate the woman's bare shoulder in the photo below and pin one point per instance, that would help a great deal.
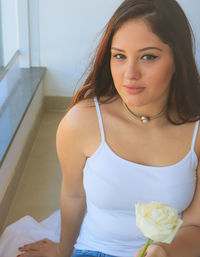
(197, 143)
(81, 112)
(80, 127)
(78, 120)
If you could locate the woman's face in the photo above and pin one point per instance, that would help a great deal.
(141, 64)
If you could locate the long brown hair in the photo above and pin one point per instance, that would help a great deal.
(168, 21)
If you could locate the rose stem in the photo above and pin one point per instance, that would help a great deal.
(145, 247)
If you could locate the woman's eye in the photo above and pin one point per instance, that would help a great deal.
(149, 57)
(119, 56)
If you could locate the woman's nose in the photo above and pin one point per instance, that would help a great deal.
(132, 71)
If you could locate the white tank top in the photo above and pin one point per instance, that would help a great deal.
(114, 185)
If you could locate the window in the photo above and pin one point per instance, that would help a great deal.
(19, 52)
(9, 30)
(1, 43)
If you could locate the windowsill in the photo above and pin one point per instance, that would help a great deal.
(17, 89)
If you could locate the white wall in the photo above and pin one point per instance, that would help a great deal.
(68, 32)
(192, 8)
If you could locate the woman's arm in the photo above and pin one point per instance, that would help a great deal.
(187, 240)
(70, 145)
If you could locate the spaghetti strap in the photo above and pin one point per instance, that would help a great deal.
(99, 118)
(195, 134)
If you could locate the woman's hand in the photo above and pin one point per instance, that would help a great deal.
(42, 248)
(153, 250)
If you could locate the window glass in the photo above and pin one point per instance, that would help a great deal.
(1, 42)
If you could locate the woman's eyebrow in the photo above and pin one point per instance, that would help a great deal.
(143, 49)
(149, 48)
(117, 49)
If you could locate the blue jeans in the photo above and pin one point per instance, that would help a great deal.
(88, 253)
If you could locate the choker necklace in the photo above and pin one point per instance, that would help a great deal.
(144, 119)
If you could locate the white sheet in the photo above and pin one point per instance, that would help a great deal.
(27, 230)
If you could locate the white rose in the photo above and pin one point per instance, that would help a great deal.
(157, 221)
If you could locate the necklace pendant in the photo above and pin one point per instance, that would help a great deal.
(144, 119)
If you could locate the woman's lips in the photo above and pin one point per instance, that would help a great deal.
(134, 90)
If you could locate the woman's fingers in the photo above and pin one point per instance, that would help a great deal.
(34, 246)
(32, 254)
(152, 251)
(43, 248)
(139, 252)
(156, 250)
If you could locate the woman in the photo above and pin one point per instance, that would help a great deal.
(131, 136)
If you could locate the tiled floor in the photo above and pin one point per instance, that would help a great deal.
(38, 192)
